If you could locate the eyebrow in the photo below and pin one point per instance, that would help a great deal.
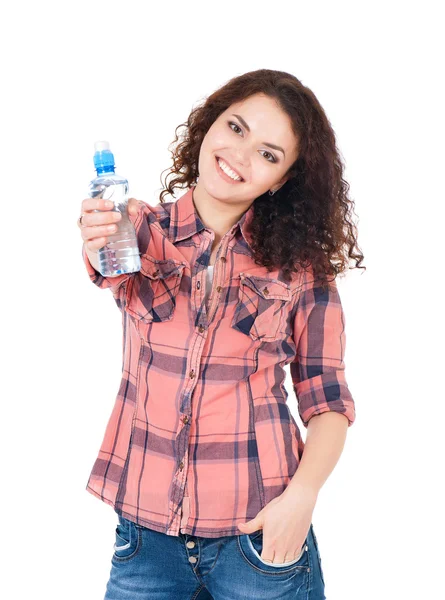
(244, 124)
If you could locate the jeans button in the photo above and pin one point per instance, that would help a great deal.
(193, 559)
(190, 544)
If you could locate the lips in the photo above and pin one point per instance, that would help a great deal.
(229, 165)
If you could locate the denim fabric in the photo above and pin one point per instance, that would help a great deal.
(148, 564)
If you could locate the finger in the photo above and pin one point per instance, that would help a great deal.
(96, 243)
(288, 556)
(291, 556)
(97, 219)
(134, 206)
(90, 233)
(267, 557)
(90, 204)
(298, 554)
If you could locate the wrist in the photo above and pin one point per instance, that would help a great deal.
(299, 485)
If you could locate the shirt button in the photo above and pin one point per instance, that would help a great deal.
(198, 285)
(185, 419)
(219, 288)
(192, 374)
(222, 259)
(181, 466)
(192, 559)
(266, 291)
(200, 329)
(190, 544)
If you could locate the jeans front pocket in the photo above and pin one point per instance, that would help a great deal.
(251, 546)
(128, 540)
(262, 306)
(152, 293)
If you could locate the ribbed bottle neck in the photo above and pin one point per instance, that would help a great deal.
(105, 171)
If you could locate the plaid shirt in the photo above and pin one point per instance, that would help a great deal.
(201, 419)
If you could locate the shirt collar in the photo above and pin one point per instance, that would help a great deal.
(185, 221)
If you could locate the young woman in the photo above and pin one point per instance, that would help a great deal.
(202, 460)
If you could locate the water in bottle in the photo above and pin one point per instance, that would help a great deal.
(121, 253)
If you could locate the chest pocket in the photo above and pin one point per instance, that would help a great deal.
(262, 307)
(151, 295)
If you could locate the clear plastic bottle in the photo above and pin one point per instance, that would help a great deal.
(121, 253)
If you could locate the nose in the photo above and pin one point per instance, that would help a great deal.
(240, 159)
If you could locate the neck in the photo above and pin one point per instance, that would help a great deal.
(217, 216)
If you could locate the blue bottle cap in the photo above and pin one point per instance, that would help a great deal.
(103, 157)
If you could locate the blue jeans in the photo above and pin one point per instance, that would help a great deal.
(148, 564)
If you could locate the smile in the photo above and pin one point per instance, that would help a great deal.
(226, 172)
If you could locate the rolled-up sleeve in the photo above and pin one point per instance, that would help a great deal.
(140, 222)
(318, 370)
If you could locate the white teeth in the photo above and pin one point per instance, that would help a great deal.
(228, 170)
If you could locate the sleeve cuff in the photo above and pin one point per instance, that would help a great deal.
(324, 393)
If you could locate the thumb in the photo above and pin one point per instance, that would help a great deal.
(252, 525)
(134, 206)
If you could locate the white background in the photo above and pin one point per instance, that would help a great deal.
(74, 73)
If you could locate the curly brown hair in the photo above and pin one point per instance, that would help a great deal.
(308, 222)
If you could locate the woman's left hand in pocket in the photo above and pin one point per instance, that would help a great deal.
(285, 522)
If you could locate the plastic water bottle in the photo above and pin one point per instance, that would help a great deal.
(121, 253)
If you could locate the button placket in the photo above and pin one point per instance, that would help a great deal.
(192, 373)
(218, 275)
(192, 546)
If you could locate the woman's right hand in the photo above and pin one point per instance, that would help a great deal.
(96, 226)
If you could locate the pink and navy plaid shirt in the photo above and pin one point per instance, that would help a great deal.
(201, 437)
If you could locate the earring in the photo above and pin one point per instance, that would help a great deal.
(271, 193)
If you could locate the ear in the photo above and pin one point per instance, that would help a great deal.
(280, 183)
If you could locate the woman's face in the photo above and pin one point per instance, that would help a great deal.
(248, 143)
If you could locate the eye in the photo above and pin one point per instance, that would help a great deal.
(230, 123)
(273, 157)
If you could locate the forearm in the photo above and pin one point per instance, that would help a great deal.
(325, 439)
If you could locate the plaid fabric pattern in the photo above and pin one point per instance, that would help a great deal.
(201, 408)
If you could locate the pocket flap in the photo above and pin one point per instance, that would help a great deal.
(160, 269)
(270, 289)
